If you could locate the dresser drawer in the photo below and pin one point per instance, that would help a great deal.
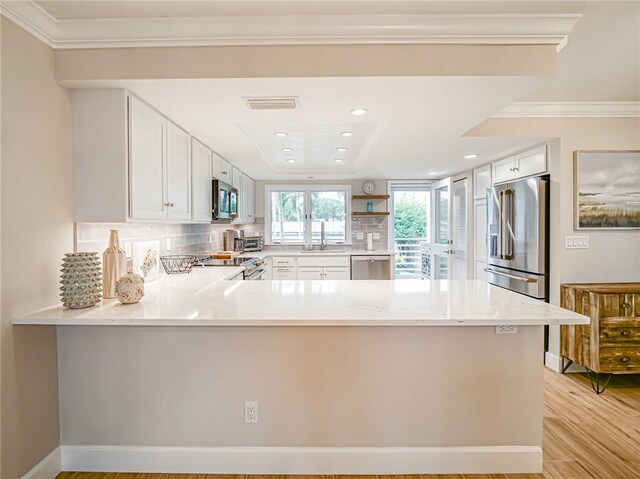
(620, 360)
(286, 261)
(619, 331)
(626, 305)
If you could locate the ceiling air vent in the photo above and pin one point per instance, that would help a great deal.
(272, 102)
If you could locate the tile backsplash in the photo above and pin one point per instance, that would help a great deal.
(184, 238)
(194, 238)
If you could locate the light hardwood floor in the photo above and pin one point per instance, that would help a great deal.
(586, 436)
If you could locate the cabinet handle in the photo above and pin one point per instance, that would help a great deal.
(625, 333)
(625, 359)
(169, 204)
(225, 172)
(625, 305)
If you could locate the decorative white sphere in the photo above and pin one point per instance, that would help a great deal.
(130, 288)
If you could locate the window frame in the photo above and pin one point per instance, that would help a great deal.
(307, 189)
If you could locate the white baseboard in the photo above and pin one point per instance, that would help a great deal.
(304, 460)
(554, 362)
(48, 468)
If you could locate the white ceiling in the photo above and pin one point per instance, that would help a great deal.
(414, 126)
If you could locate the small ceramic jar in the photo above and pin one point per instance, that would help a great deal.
(130, 288)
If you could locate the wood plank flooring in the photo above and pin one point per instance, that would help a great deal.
(586, 436)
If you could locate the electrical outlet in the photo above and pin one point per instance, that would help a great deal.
(210, 239)
(376, 236)
(576, 242)
(250, 412)
(509, 329)
(360, 235)
(128, 250)
(168, 244)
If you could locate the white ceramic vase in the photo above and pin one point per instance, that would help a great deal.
(114, 265)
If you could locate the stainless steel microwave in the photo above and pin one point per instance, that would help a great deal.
(224, 201)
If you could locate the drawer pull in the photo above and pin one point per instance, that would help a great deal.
(625, 305)
(625, 359)
(626, 332)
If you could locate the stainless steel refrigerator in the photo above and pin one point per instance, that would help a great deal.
(518, 236)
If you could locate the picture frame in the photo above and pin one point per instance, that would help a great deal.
(606, 189)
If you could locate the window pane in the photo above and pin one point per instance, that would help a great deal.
(287, 216)
(330, 207)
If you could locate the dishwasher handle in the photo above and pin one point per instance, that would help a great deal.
(370, 258)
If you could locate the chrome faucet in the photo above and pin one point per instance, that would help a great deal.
(323, 240)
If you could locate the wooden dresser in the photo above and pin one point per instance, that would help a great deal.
(611, 343)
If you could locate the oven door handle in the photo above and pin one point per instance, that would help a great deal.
(258, 274)
(512, 276)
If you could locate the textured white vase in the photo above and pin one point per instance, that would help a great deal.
(80, 280)
(114, 265)
(130, 288)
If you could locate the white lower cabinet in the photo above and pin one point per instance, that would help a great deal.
(337, 273)
(310, 273)
(283, 273)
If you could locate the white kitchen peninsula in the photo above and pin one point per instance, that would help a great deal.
(349, 376)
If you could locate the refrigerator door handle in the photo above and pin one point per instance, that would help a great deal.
(511, 276)
(506, 222)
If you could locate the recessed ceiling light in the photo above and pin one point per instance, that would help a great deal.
(347, 133)
(291, 160)
(342, 148)
(287, 149)
(471, 156)
(338, 160)
(359, 111)
(432, 173)
(281, 134)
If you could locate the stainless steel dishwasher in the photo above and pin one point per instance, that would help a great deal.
(371, 267)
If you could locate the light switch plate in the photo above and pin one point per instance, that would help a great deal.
(576, 242)
(168, 244)
(376, 236)
(360, 235)
(128, 250)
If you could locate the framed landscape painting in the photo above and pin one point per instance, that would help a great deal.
(606, 189)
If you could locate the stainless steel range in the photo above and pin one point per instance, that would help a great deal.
(253, 267)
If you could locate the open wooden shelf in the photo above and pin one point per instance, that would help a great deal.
(370, 197)
(370, 213)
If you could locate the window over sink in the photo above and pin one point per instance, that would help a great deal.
(294, 214)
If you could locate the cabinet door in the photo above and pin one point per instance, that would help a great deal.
(310, 273)
(481, 181)
(225, 171)
(532, 162)
(178, 173)
(504, 170)
(236, 178)
(248, 193)
(147, 154)
(337, 273)
(480, 226)
(283, 273)
(201, 182)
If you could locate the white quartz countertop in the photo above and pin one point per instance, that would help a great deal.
(203, 298)
(317, 252)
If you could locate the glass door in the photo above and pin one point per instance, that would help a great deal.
(443, 235)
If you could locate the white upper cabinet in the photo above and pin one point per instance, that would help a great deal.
(533, 162)
(529, 163)
(147, 162)
(178, 173)
(200, 182)
(248, 199)
(220, 169)
(504, 170)
(131, 163)
(236, 179)
(481, 181)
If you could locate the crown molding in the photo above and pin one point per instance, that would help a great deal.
(560, 109)
(464, 29)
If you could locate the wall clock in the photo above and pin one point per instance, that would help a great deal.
(368, 187)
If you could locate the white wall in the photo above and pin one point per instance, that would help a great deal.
(612, 255)
(37, 229)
